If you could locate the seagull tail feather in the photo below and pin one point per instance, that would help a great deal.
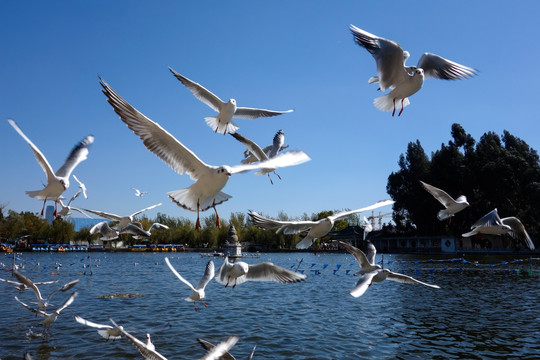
(386, 102)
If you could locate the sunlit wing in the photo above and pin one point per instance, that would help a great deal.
(200, 92)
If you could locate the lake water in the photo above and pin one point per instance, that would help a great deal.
(480, 312)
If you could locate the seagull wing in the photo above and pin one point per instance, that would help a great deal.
(287, 227)
(267, 271)
(155, 138)
(178, 275)
(200, 92)
(388, 55)
(209, 273)
(358, 254)
(158, 226)
(65, 287)
(362, 284)
(518, 231)
(277, 144)
(251, 146)
(223, 271)
(42, 161)
(208, 346)
(82, 212)
(290, 158)
(73, 198)
(408, 279)
(145, 352)
(80, 320)
(343, 214)
(254, 113)
(441, 68)
(105, 215)
(68, 302)
(218, 351)
(134, 230)
(82, 186)
(78, 154)
(36, 311)
(26, 281)
(441, 196)
(490, 219)
(145, 209)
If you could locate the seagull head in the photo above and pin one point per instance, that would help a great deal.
(419, 72)
(224, 170)
(65, 183)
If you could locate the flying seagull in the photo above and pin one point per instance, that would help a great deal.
(240, 272)
(492, 224)
(21, 286)
(208, 346)
(198, 292)
(316, 229)
(227, 110)
(65, 211)
(144, 233)
(41, 301)
(147, 349)
(259, 153)
(123, 221)
(219, 351)
(49, 317)
(139, 193)
(105, 331)
(366, 262)
(404, 80)
(57, 182)
(451, 206)
(279, 138)
(107, 233)
(370, 272)
(206, 192)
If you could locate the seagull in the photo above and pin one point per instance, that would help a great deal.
(492, 224)
(65, 211)
(259, 153)
(377, 274)
(21, 286)
(208, 346)
(147, 350)
(144, 233)
(41, 301)
(206, 192)
(316, 229)
(404, 80)
(81, 186)
(57, 182)
(105, 331)
(278, 138)
(50, 318)
(227, 110)
(367, 227)
(219, 351)
(198, 292)
(105, 230)
(123, 221)
(452, 206)
(366, 262)
(241, 272)
(139, 193)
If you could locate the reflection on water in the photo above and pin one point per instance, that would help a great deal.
(482, 311)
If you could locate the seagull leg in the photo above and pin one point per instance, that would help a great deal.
(204, 304)
(43, 208)
(218, 223)
(269, 178)
(228, 278)
(198, 222)
(277, 175)
(55, 208)
(195, 307)
(234, 283)
(401, 107)
(393, 112)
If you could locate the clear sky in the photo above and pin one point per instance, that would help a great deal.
(274, 54)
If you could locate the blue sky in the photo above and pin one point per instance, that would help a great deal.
(274, 54)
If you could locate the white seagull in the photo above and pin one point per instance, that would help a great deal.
(260, 154)
(57, 182)
(404, 80)
(21, 286)
(105, 331)
(139, 193)
(198, 292)
(227, 110)
(105, 230)
(492, 224)
(451, 206)
(241, 272)
(41, 301)
(65, 211)
(81, 186)
(147, 350)
(50, 317)
(144, 233)
(316, 229)
(377, 274)
(219, 351)
(366, 262)
(279, 138)
(123, 221)
(206, 192)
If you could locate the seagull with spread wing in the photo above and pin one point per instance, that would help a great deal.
(316, 229)
(66, 209)
(81, 186)
(49, 317)
(148, 350)
(279, 138)
(227, 110)
(198, 292)
(41, 301)
(451, 206)
(404, 80)
(57, 182)
(492, 224)
(206, 192)
(123, 221)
